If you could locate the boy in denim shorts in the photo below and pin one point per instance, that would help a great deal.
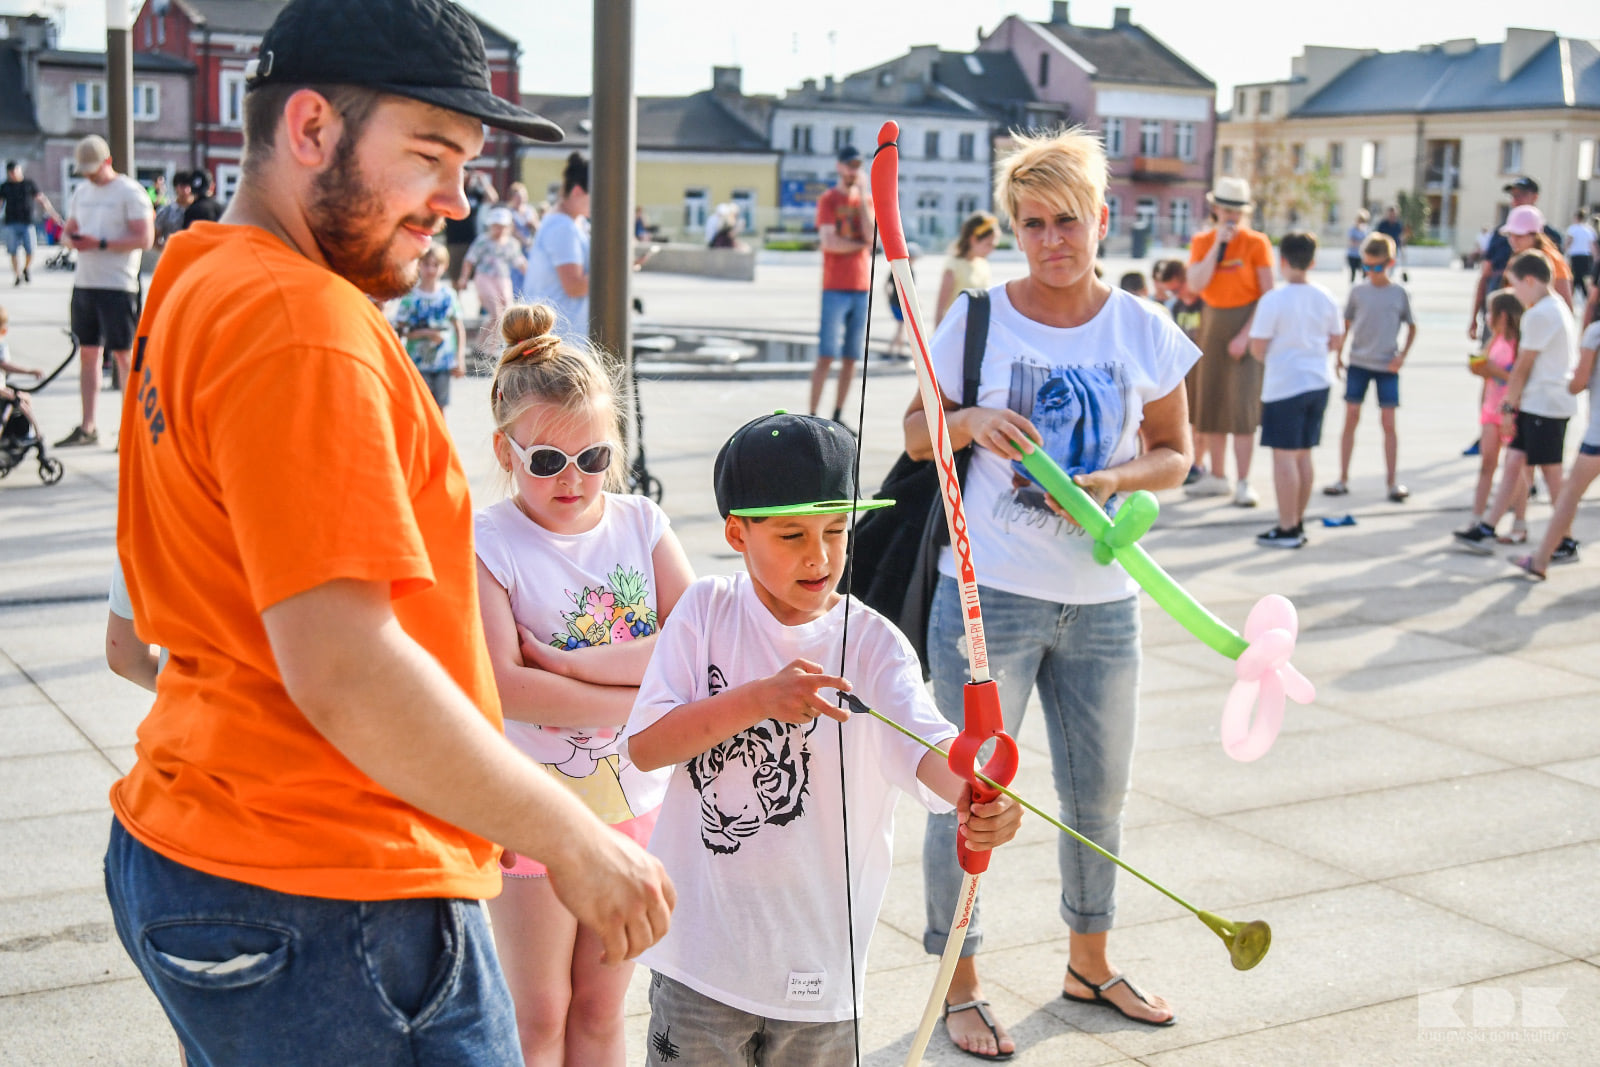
(1373, 314)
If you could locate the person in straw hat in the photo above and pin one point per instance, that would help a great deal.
(1230, 266)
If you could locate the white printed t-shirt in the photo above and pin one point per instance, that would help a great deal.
(751, 831)
(1297, 320)
(109, 211)
(1084, 388)
(575, 591)
(1549, 330)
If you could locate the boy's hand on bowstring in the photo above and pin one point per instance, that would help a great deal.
(988, 825)
(791, 695)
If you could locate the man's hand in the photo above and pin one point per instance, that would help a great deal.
(1239, 347)
(1472, 329)
(988, 825)
(81, 243)
(616, 889)
(791, 694)
(1338, 367)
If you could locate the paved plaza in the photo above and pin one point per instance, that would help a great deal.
(1424, 839)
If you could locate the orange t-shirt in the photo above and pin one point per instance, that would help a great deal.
(844, 211)
(277, 437)
(1235, 282)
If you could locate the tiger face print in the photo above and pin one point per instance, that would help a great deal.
(756, 778)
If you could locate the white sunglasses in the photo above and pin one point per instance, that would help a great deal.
(547, 461)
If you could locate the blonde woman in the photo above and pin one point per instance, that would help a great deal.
(1085, 372)
(968, 265)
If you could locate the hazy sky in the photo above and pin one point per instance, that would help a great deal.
(779, 44)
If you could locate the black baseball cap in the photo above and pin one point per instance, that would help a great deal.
(1523, 184)
(426, 50)
(849, 154)
(198, 180)
(783, 464)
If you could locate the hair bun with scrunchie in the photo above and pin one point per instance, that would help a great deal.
(525, 328)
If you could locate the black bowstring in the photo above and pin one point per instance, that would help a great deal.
(844, 637)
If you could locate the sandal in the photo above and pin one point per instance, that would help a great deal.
(1525, 565)
(1105, 1001)
(1336, 489)
(982, 1008)
(1517, 536)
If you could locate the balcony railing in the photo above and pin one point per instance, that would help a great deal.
(1160, 168)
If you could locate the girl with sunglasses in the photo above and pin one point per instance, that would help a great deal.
(574, 581)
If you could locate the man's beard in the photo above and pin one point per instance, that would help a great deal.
(348, 223)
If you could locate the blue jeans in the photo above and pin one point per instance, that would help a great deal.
(251, 977)
(1084, 659)
(844, 319)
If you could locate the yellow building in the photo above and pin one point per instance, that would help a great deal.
(694, 154)
(1450, 124)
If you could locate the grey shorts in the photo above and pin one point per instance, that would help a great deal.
(690, 1028)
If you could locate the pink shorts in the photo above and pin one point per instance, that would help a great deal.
(637, 830)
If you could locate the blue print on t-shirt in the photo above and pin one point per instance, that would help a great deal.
(1080, 413)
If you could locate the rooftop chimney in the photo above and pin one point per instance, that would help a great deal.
(827, 85)
(727, 80)
(1521, 46)
(1122, 16)
(1058, 13)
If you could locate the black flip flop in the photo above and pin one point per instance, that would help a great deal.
(982, 1007)
(1101, 999)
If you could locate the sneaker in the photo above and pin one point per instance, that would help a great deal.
(1194, 475)
(79, 436)
(1244, 496)
(27, 276)
(1566, 551)
(1398, 493)
(1336, 489)
(1478, 538)
(1210, 485)
(1278, 537)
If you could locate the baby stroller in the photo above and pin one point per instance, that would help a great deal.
(19, 432)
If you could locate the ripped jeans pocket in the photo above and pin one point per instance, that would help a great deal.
(216, 954)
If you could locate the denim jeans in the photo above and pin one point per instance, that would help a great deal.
(249, 976)
(1084, 659)
(844, 324)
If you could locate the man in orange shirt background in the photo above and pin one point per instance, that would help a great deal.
(298, 855)
(845, 227)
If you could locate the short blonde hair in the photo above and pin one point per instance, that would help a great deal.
(1066, 170)
(437, 253)
(1378, 244)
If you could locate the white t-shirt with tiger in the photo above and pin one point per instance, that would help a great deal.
(574, 591)
(751, 831)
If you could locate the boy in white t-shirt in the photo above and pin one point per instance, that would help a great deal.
(1295, 328)
(760, 966)
(1536, 396)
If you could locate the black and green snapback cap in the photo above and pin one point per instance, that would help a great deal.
(783, 464)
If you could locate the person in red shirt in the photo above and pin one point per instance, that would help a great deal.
(322, 787)
(845, 224)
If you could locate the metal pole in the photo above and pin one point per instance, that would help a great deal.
(119, 84)
(611, 180)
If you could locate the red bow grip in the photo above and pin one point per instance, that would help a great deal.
(981, 705)
(886, 192)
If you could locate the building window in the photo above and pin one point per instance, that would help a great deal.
(1146, 212)
(745, 201)
(146, 101)
(1333, 214)
(1113, 215)
(930, 145)
(696, 202)
(1183, 141)
(928, 222)
(147, 39)
(1044, 68)
(1297, 156)
(1379, 158)
(885, 78)
(1511, 157)
(230, 101)
(1241, 100)
(966, 204)
(1263, 160)
(1180, 219)
(88, 100)
(1336, 157)
(161, 29)
(227, 181)
(1150, 137)
(1227, 159)
(1264, 102)
(800, 140)
(1113, 136)
(842, 136)
(966, 147)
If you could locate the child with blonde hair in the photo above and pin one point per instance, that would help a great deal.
(574, 582)
(1494, 367)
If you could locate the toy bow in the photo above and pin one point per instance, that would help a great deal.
(980, 697)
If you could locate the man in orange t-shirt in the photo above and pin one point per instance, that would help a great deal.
(1230, 266)
(844, 225)
(298, 853)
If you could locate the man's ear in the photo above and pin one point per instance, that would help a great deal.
(311, 128)
(733, 530)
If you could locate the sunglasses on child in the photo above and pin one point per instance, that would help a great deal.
(547, 461)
